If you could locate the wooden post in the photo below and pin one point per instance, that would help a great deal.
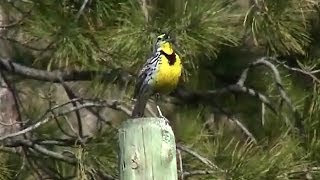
(147, 150)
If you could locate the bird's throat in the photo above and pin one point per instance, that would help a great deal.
(171, 57)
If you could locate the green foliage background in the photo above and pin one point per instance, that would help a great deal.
(217, 39)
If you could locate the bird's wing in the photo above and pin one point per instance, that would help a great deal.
(148, 68)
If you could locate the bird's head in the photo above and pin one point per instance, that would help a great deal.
(164, 43)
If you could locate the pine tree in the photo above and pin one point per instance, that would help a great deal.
(227, 125)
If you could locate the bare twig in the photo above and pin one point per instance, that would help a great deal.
(263, 112)
(71, 95)
(15, 96)
(55, 116)
(4, 149)
(72, 142)
(105, 176)
(231, 118)
(21, 43)
(248, 133)
(196, 97)
(42, 120)
(180, 164)
(13, 4)
(32, 166)
(188, 174)
(55, 76)
(24, 131)
(85, 2)
(18, 22)
(10, 124)
(23, 165)
(40, 149)
(114, 104)
(310, 74)
(66, 103)
(95, 112)
(109, 76)
(12, 24)
(45, 171)
(59, 125)
(238, 88)
(264, 61)
(90, 109)
(277, 78)
(198, 156)
(151, 111)
(192, 97)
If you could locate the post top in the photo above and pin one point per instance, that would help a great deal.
(146, 121)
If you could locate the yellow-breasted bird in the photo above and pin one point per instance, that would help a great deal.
(160, 74)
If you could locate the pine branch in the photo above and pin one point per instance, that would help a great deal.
(71, 95)
(44, 119)
(85, 2)
(188, 174)
(54, 76)
(40, 149)
(304, 72)
(277, 78)
(187, 96)
(198, 156)
(17, 22)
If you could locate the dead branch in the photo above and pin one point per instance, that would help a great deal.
(180, 164)
(60, 126)
(40, 149)
(188, 174)
(18, 22)
(44, 119)
(75, 105)
(54, 76)
(85, 2)
(24, 131)
(196, 97)
(198, 156)
(24, 44)
(277, 78)
(180, 93)
(304, 72)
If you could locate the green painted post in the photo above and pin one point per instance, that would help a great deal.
(147, 150)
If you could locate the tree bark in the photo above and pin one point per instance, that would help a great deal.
(8, 111)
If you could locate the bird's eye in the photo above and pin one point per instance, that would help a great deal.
(159, 38)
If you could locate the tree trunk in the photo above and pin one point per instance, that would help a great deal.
(8, 111)
(147, 150)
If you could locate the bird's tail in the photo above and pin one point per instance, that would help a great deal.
(139, 107)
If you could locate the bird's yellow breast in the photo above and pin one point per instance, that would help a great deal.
(167, 75)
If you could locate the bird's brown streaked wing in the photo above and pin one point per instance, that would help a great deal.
(148, 67)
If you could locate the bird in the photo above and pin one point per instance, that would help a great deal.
(159, 75)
